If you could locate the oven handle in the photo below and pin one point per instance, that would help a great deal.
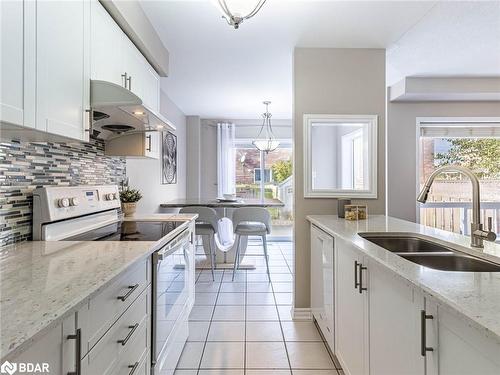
(168, 249)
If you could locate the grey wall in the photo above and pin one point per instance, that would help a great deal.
(402, 146)
(25, 166)
(193, 134)
(145, 174)
(332, 81)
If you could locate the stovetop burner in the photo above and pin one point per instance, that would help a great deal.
(129, 231)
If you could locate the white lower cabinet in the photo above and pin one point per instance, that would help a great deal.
(322, 273)
(385, 325)
(55, 351)
(394, 319)
(461, 348)
(351, 312)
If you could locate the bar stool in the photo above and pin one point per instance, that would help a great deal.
(205, 225)
(251, 221)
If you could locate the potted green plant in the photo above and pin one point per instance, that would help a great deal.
(129, 198)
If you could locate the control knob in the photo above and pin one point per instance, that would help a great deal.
(110, 196)
(63, 202)
(74, 201)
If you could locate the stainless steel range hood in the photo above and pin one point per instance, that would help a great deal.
(117, 110)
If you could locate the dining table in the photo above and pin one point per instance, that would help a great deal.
(224, 208)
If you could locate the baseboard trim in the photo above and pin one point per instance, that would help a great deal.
(301, 314)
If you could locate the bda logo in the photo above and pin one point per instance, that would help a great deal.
(8, 368)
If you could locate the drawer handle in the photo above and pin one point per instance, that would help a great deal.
(132, 330)
(356, 282)
(133, 368)
(361, 269)
(132, 289)
(78, 351)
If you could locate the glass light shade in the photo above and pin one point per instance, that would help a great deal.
(266, 145)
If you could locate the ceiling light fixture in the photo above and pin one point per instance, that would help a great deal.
(236, 11)
(266, 141)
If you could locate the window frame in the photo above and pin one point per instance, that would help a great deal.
(422, 122)
(372, 121)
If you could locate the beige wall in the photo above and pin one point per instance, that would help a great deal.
(402, 146)
(332, 81)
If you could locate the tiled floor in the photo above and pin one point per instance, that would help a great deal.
(245, 326)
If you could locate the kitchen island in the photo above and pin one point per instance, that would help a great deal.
(387, 314)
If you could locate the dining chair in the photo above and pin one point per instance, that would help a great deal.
(205, 225)
(251, 221)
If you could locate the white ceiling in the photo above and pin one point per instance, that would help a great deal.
(219, 72)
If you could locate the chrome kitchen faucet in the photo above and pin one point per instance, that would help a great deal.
(478, 235)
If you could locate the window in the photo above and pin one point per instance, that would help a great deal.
(278, 183)
(473, 143)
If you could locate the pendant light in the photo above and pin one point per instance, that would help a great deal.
(236, 11)
(266, 141)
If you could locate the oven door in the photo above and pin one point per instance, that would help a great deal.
(172, 292)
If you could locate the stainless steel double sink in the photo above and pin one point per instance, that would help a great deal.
(429, 254)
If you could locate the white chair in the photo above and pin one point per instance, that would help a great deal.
(251, 221)
(206, 225)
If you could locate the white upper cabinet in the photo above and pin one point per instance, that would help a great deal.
(106, 47)
(17, 25)
(63, 67)
(114, 58)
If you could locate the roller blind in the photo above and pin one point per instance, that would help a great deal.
(460, 129)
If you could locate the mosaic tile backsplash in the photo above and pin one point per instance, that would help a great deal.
(25, 166)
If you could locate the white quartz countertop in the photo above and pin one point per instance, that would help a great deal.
(474, 295)
(41, 282)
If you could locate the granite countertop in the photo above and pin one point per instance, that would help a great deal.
(42, 282)
(474, 295)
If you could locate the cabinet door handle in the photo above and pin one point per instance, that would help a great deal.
(361, 269)
(132, 289)
(78, 351)
(356, 283)
(89, 113)
(149, 142)
(129, 79)
(132, 330)
(423, 333)
(124, 80)
(133, 368)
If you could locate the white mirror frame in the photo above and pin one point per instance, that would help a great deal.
(309, 192)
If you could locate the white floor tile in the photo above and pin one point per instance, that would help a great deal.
(207, 287)
(283, 287)
(264, 331)
(221, 372)
(283, 298)
(257, 277)
(203, 313)
(228, 313)
(191, 355)
(227, 331)
(265, 287)
(266, 355)
(231, 299)
(221, 355)
(309, 355)
(268, 372)
(300, 331)
(260, 299)
(204, 299)
(281, 277)
(186, 372)
(198, 331)
(314, 372)
(285, 312)
(206, 276)
(239, 277)
(233, 287)
(260, 313)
